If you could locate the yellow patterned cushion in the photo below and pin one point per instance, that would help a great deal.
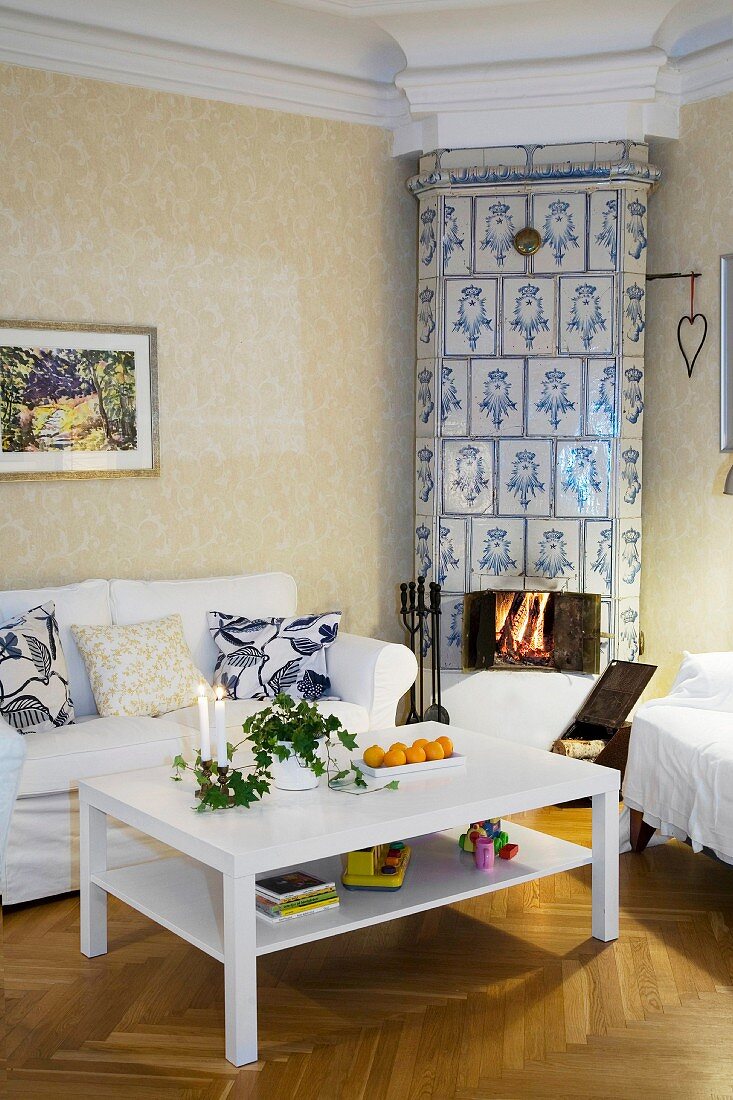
(144, 668)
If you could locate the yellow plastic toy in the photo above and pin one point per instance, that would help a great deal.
(380, 867)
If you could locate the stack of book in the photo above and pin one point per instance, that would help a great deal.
(294, 894)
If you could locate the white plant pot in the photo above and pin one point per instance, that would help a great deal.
(292, 774)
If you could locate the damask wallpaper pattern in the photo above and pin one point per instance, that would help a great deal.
(275, 255)
(687, 591)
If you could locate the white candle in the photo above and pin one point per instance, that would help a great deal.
(221, 729)
(204, 723)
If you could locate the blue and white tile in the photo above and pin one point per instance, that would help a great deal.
(586, 315)
(451, 554)
(632, 398)
(628, 557)
(560, 218)
(456, 235)
(424, 548)
(599, 567)
(468, 477)
(627, 630)
(451, 631)
(635, 228)
(554, 388)
(528, 326)
(633, 315)
(553, 552)
(607, 643)
(428, 241)
(453, 406)
(497, 547)
(602, 402)
(603, 231)
(425, 477)
(497, 219)
(425, 398)
(497, 397)
(525, 477)
(630, 477)
(470, 316)
(582, 478)
(427, 319)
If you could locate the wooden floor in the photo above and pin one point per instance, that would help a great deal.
(505, 996)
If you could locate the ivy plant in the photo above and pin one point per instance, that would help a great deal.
(274, 733)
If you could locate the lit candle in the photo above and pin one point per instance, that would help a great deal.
(204, 723)
(221, 729)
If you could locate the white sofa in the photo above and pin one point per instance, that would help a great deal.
(679, 773)
(369, 677)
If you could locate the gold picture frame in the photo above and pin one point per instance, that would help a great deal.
(78, 400)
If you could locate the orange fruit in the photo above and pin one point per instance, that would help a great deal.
(398, 745)
(434, 751)
(394, 758)
(374, 756)
(416, 755)
(447, 745)
(420, 743)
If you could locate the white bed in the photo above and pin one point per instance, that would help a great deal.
(680, 767)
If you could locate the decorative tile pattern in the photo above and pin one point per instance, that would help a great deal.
(582, 479)
(450, 561)
(453, 406)
(603, 232)
(560, 218)
(632, 392)
(627, 630)
(497, 219)
(426, 393)
(525, 477)
(426, 317)
(470, 316)
(629, 557)
(635, 231)
(456, 236)
(424, 549)
(554, 397)
(497, 547)
(629, 477)
(598, 571)
(451, 631)
(428, 239)
(528, 326)
(601, 416)
(468, 476)
(633, 315)
(425, 476)
(586, 315)
(553, 552)
(497, 397)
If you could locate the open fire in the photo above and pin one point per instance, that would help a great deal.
(524, 628)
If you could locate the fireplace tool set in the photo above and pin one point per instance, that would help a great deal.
(414, 612)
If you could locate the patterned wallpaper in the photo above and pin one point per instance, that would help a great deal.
(275, 254)
(687, 589)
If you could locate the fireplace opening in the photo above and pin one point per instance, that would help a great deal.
(551, 630)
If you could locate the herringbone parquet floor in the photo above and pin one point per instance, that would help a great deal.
(504, 997)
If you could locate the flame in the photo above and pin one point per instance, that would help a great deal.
(522, 628)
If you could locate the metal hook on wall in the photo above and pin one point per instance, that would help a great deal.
(690, 319)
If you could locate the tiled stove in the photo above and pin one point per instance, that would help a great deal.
(530, 377)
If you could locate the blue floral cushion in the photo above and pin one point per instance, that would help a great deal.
(34, 681)
(259, 658)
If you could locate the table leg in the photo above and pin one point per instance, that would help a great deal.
(605, 865)
(93, 900)
(240, 969)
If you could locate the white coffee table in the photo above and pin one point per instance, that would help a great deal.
(205, 891)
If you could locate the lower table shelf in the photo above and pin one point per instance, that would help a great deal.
(186, 897)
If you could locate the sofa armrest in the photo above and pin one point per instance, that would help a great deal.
(373, 674)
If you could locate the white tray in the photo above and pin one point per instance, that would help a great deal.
(455, 760)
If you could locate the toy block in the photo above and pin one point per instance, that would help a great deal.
(509, 851)
(500, 840)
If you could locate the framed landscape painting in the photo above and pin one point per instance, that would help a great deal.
(77, 401)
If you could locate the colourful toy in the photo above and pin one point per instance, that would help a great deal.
(484, 854)
(500, 839)
(380, 867)
(467, 840)
(509, 851)
(493, 826)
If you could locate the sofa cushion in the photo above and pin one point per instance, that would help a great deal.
(353, 717)
(34, 681)
(57, 760)
(255, 595)
(143, 668)
(261, 657)
(86, 603)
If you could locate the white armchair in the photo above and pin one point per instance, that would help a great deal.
(12, 755)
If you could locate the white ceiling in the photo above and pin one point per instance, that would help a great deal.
(439, 73)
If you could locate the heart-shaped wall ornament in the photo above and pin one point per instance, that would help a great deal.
(691, 321)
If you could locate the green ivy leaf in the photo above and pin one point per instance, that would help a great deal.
(393, 786)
